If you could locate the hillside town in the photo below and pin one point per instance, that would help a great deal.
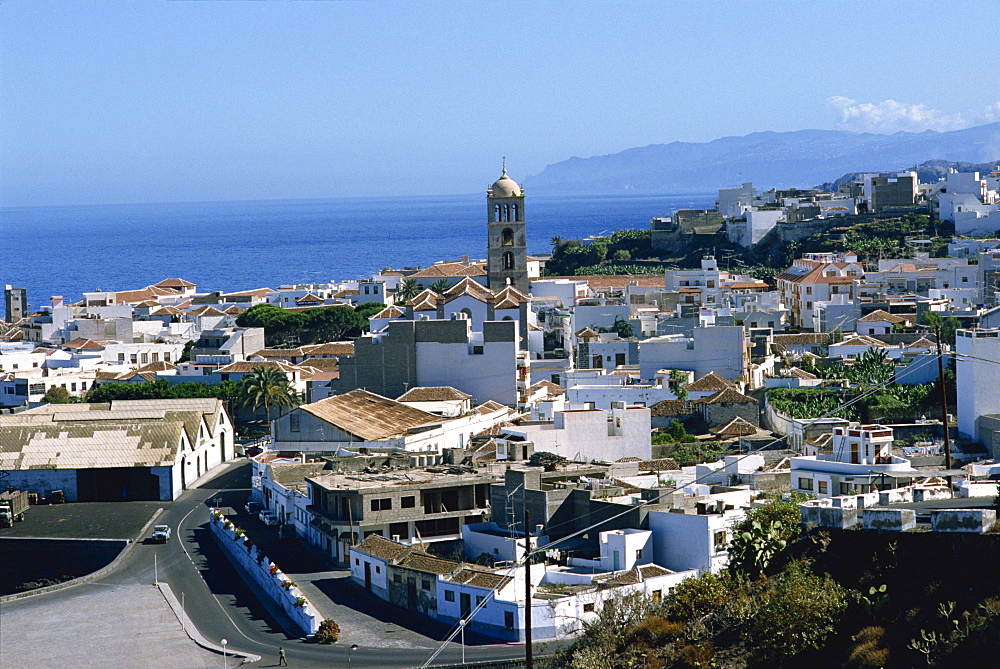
(505, 450)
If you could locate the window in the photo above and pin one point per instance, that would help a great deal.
(408, 502)
(805, 484)
(166, 356)
(720, 541)
(396, 578)
(588, 608)
(121, 357)
(809, 290)
(156, 357)
(822, 487)
(479, 600)
(295, 422)
(383, 504)
(145, 358)
(477, 350)
(657, 596)
(507, 237)
(357, 562)
(425, 584)
(378, 569)
(133, 358)
(508, 260)
(449, 595)
(508, 620)
(845, 488)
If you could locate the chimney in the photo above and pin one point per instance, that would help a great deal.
(57, 301)
(439, 301)
(465, 260)
(491, 302)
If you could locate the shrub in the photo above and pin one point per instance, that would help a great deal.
(799, 610)
(869, 650)
(287, 585)
(273, 569)
(328, 632)
(696, 597)
(655, 631)
(698, 656)
(300, 602)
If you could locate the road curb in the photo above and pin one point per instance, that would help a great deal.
(93, 576)
(192, 631)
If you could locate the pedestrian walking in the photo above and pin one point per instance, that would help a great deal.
(282, 662)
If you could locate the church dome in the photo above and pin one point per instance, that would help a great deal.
(505, 187)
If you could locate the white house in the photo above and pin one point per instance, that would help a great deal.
(696, 538)
(591, 434)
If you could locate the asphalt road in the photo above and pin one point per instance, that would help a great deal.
(221, 605)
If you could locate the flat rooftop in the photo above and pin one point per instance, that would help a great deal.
(417, 478)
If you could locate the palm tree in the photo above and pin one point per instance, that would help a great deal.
(266, 387)
(555, 241)
(440, 286)
(407, 290)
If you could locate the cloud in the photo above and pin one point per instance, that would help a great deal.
(890, 116)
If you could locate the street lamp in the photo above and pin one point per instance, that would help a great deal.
(461, 626)
(225, 658)
(350, 654)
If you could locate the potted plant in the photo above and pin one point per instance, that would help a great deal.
(273, 570)
(300, 602)
(287, 585)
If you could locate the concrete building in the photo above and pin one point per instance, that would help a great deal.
(591, 434)
(693, 538)
(15, 301)
(977, 353)
(720, 349)
(412, 353)
(407, 506)
(809, 281)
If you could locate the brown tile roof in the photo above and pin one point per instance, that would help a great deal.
(382, 548)
(670, 408)
(206, 310)
(710, 381)
(147, 293)
(812, 272)
(248, 366)
(729, 396)
(233, 310)
(923, 342)
(392, 311)
(879, 316)
(424, 301)
(637, 574)
(321, 364)
(737, 427)
(552, 388)
(863, 340)
(803, 339)
(801, 373)
(432, 394)
(616, 281)
(468, 286)
(481, 579)
(309, 298)
(174, 283)
(294, 476)
(256, 292)
(159, 366)
(329, 348)
(428, 564)
(489, 407)
(368, 416)
(658, 465)
(588, 333)
(450, 269)
(166, 311)
(282, 353)
(81, 344)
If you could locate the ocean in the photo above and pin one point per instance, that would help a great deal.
(231, 246)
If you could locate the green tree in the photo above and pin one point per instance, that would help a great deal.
(677, 377)
(59, 395)
(621, 255)
(765, 533)
(948, 325)
(369, 309)
(440, 286)
(408, 289)
(186, 353)
(329, 324)
(265, 387)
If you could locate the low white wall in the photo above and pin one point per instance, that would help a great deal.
(259, 569)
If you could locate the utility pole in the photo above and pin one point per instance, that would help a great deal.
(527, 590)
(944, 404)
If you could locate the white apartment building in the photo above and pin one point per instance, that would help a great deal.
(809, 281)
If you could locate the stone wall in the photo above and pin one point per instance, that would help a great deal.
(265, 574)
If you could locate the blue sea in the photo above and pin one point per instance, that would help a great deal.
(233, 246)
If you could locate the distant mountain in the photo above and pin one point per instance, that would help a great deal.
(768, 159)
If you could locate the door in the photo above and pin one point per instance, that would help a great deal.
(368, 576)
(465, 603)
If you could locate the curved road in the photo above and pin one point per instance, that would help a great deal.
(220, 604)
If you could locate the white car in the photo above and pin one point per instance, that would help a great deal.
(161, 533)
(269, 518)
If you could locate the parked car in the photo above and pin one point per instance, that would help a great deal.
(252, 451)
(161, 533)
(269, 518)
(253, 508)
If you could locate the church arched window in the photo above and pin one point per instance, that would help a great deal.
(507, 237)
(513, 213)
(496, 213)
(506, 213)
(508, 260)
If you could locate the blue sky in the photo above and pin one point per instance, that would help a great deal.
(153, 101)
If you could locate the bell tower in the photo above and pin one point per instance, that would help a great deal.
(507, 251)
